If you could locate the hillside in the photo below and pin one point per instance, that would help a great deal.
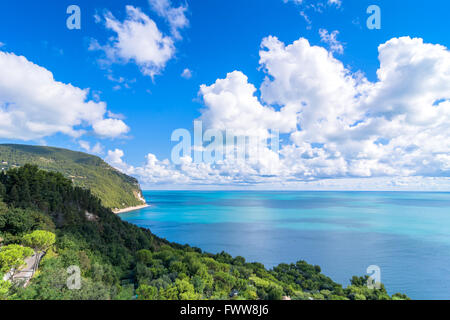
(42, 211)
(115, 189)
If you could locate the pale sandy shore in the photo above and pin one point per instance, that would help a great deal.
(119, 211)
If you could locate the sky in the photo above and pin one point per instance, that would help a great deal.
(355, 108)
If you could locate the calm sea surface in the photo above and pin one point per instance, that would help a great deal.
(406, 234)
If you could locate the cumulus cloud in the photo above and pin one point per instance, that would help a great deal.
(153, 172)
(110, 128)
(338, 125)
(137, 40)
(34, 105)
(231, 104)
(381, 128)
(163, 172)
(114, 158)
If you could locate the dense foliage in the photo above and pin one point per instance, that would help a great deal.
(118, 260)
(115, 189)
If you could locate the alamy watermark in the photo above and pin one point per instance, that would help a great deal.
(374, 20)
(74, 280)
(74, 20)
(374, 280)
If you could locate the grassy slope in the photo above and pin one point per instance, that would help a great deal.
(115, 189)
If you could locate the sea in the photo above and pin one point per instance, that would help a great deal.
(404, 234)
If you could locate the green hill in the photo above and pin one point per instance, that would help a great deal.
(115, 189)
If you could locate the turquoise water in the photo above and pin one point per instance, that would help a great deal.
(406, 234)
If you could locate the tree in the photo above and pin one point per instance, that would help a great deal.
(400, 296)
(4, 289)
(274, 293)
(39, 240)
(2, 190)
(186, 290)
(12, 257)
(144, 256)
(14, 195)
(146, 292)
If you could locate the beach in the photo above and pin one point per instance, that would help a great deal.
(119, 211)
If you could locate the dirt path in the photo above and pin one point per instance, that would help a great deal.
(31, 265)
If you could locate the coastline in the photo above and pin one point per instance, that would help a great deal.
(129, 209)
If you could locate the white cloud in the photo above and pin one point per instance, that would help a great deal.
(315, 6)
(331, 40)
(110, 128)
(159, 174)
(34, 105)
(115, 115)
(232, 105)
(337, 3)
(176, 17)
(187, 74)
(114, 158)
(307, 19)
(85, 145)
(154, 171)
(138, 40)
(352, 117)
(340, 127)
(162, 172)
(121, 82)
(2, 44)
(96, 149)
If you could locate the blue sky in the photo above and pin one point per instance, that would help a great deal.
(216, 38)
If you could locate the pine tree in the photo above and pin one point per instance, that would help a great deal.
(14, 195)
(2, 190)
